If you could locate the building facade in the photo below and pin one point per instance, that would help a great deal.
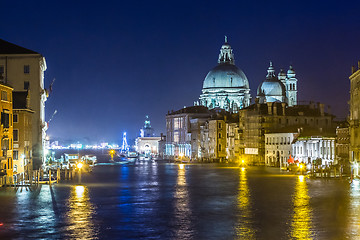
(22, 133)
(6, 134)
(354, 119)
(259, 119)
(24, 69)
(342, 145)
(178, 131)
(314, 150)
(278, 148)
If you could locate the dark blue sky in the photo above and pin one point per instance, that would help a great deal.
(116, 62)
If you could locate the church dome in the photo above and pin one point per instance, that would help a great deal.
(272, 88)
(225, 86)
(226, 76)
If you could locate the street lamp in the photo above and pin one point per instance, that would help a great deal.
(112, 153)
(79, 166)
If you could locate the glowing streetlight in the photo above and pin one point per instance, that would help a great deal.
(79, 165)
(112, 153)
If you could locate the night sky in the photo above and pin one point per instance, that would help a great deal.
(116, 62)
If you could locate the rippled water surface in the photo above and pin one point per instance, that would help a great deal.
(150, 200)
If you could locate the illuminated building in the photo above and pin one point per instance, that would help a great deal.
(278, 148)
(233, 140)
(213, 142)
(281, 88)
(342, 145)
(307, 149)
(6, 134)
(22, 118)
(354, 119)
(147, 144)
(178, 131)
(259, 119)
(225, 86)
(24, 70)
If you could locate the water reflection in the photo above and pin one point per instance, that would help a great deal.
(80, 214)
(301, 221)
(183, 229)
(244, 229)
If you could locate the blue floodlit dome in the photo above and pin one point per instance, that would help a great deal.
(272, 86)
(226, 76)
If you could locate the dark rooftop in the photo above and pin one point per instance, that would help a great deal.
(10, 48)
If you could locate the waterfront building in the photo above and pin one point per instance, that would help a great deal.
(147, 144)
(354, 119)
(6, 134)
(318, 150)
(258, 119)
(342, 145)
(278, 148)
(213, 142)
(281, 88)
(178, 131)
(233, 140)
(24, 69)
(225, 86)
(22, 134)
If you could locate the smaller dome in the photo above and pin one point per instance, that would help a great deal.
(291, 70)
(272, 88)
(282, 72)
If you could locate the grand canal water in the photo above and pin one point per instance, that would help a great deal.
(150, 200)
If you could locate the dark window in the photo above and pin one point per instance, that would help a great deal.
(26, 85)
(16, 135)
(5, 119)
(15, 118)
(219, 147)
(2, 69)
(26, 68)
(219, 135)
(219, 125)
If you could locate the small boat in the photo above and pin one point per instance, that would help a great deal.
(132, 154)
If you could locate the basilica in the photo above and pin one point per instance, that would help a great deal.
(227, 87)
